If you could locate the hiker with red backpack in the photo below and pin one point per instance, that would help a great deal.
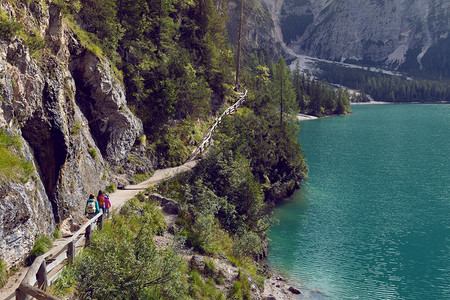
(107, 204)
(101, 200)
(92, 207)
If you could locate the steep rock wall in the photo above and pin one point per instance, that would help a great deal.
(257, 28)
(372, 31)
(75, 125)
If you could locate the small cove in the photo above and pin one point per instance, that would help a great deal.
(372, 220)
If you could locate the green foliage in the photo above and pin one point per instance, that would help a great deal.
(254, 158)
(76, 128)
(57, 234)
(241, 288)
(198, 218)
(3, 273)
(147, 210)
(281, 91)
(111, 188)
(87, 40)
(319, 98)
(199, 289)
(176, 141)
(177, 58)
(35, 42)
(140, 177)
(100, 18)
(65, 284)
(42, 244)
(12, 166)
(123, 263)
(388, 88)
(8, 28)
(92, 152)
(143, 139)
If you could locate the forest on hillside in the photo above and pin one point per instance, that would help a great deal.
(382, 87)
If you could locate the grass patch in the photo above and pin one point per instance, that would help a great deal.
(241, 288)
(65, 285)
(57, 234)
(111, 188)
(92, 152)
(140, 177)
(12, 166)
(201, 289)
(42, 244)
(8, 29)
(92, 42)
(76, 128)
(3, 273)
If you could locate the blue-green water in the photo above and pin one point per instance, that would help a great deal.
(373, 221)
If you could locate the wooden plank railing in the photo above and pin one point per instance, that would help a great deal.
(37, 279)
(207, 138)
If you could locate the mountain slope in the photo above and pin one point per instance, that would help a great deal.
(402, 35)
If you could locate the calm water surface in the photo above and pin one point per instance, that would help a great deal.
(373, 221)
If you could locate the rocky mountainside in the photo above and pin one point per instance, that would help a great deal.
(258, 30)
(70, 113)
(405, 35)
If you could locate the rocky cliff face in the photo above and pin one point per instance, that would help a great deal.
(385, 33)
(71, 114)
(258, 31)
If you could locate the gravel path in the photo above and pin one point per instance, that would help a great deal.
(119, 197)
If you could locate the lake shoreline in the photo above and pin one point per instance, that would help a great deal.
(384, 102)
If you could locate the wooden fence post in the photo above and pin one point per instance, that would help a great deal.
(87, 235)
(100, 222)
(21, 295)
(71, 252)
(42, 276)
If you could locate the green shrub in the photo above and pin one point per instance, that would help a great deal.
(57, 234)
(76, 128)
(241, 288)
(111, 188)
(42, 244)
(35, 42)
(3, 273)
(143, 139)
(92, 153)
(123, 263)
(8, 29)
(138, 178)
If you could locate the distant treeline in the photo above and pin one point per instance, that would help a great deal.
(382, 87)
(292, 90)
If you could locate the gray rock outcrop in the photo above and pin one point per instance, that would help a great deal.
(71, 114)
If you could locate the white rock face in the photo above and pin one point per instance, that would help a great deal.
(378, 31)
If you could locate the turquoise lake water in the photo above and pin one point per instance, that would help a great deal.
(373, 220)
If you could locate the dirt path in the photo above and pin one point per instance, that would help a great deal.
(118, 199)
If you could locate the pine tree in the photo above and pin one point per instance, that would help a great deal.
(281, 90)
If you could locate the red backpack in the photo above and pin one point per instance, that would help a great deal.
(100, 200)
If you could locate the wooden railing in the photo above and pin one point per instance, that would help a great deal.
(39, 275)
(207, 138)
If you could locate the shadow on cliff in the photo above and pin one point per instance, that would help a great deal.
(50, 150)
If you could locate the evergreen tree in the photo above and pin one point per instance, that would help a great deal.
(281, 90)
